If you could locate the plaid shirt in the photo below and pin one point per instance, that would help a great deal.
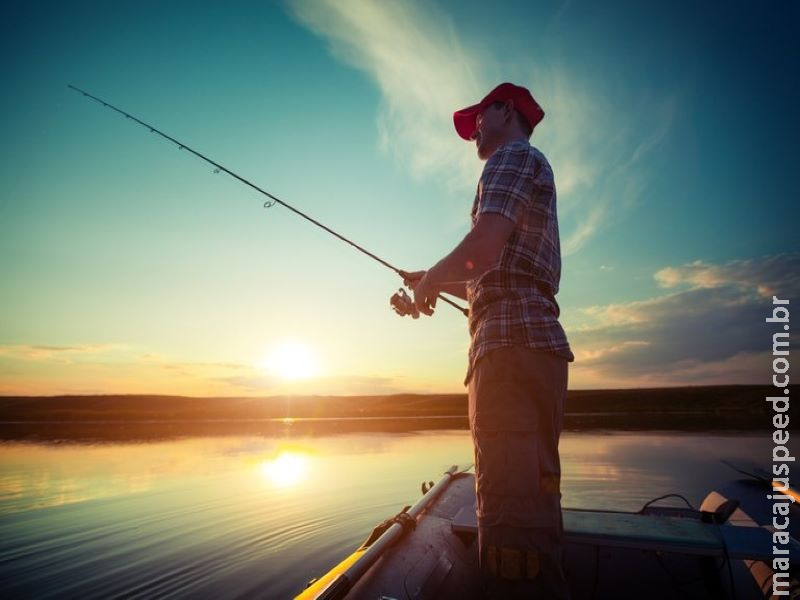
(513, 303)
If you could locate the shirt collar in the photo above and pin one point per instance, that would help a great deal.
(516, 142)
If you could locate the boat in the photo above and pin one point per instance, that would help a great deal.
(722, 550)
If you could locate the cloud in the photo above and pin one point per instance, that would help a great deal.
(262, 383)
(61, 353)
(597, 151)
(764, 277)
(163, 362)
(108, 368)
(423, 69)
(111, 368)
(710, 329)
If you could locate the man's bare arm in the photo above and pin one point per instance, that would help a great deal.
(458, 289)
(478, 251)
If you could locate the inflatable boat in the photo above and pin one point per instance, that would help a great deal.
(724, 549)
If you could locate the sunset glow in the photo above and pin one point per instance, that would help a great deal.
(291, 360)
(206, 303)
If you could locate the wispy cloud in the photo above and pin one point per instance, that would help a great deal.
(598, 151)
(764, 277)
(709, 327)
(61, 353)
(424, 70)
(113, 368)
(262, 383)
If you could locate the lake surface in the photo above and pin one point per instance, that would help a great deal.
(258, 516)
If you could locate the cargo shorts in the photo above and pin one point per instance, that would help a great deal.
(516, 408)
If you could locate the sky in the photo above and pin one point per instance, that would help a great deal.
(129, 266)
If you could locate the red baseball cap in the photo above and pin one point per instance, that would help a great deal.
(464, 119)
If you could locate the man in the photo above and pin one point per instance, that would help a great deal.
(508, 267)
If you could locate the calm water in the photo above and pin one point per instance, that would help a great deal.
(248, 516)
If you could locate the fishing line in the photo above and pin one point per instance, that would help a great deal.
(218, 167)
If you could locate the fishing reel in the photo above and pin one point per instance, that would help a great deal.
(403, 304)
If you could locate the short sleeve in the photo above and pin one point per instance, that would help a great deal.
(506, 183)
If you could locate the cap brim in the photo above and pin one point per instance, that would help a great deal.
(464, 120)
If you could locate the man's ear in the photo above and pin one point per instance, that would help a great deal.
(508, 111)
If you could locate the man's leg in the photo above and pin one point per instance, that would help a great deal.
(516, 405)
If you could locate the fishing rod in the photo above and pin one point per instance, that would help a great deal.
(399, 301)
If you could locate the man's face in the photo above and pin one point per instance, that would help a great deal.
(489, 128)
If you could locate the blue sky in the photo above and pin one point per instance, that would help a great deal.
(128, 266)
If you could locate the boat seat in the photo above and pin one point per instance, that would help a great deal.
(655, 532)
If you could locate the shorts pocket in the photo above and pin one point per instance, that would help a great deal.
(508, 477)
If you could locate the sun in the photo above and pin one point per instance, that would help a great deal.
(291, 360)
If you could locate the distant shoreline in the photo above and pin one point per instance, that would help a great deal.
(692, 408)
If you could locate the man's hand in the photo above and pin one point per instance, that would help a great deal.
(425, 292)
(411, 278)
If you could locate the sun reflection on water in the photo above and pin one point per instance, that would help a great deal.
(285, 470)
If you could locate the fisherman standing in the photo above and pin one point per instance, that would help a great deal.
(508, 267)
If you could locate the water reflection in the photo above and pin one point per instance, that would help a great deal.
(599, 469)
(286, 469)
(257, 516)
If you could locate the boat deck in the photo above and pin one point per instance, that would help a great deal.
(663, 554)
(658, 533)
